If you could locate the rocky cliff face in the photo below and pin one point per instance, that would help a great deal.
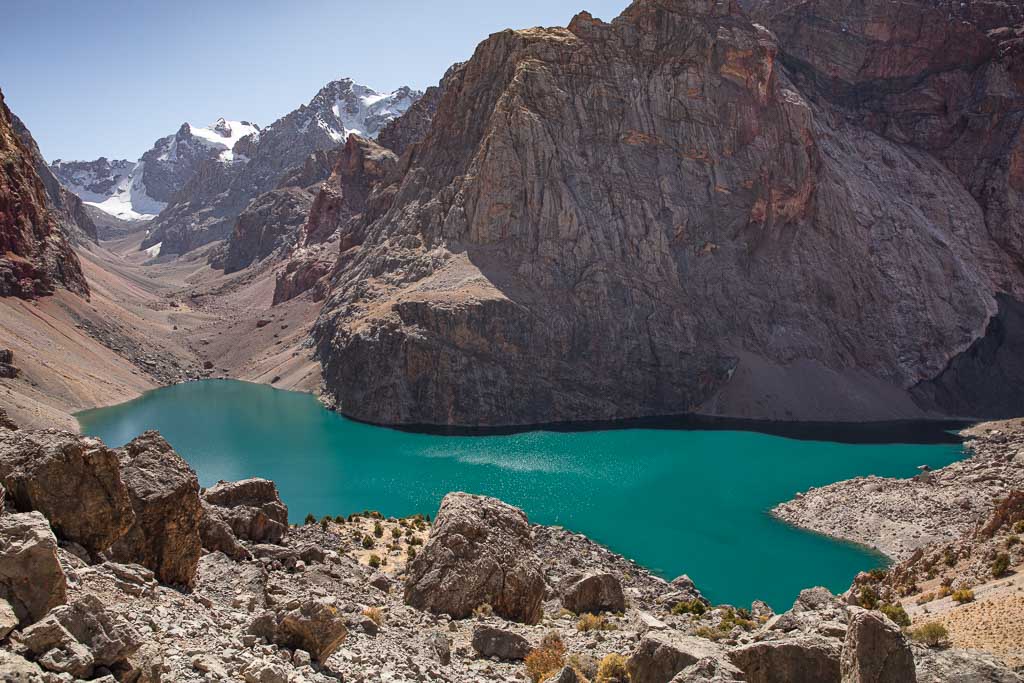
(35, 256)
(667, 213)
(217, 194)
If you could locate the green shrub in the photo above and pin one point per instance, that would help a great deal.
(378, 529)
(868, 597)
(1012, 541)
(338, 519)
(411, 553)
(374, 561)
(310, 519)
(1001, 565)
(612, 669)
(931, 634)
(963, 595)
(324, 522)
(949, 557)
(367, 542)
(1019, 527)
(897, 614)
(396, 533)
(689, 607)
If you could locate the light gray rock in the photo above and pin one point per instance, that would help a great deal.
(799, 659)
(489, 641)
(876, 651)
(31, 577)
(593, 593)
(661, 655)
(709, 670)
(252, 509)
(8, 619)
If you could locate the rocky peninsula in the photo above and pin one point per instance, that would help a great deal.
(138, 574)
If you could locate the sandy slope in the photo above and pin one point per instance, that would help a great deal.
(145, 325)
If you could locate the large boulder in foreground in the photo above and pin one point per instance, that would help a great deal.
(164, 493)
(798, 659)
(480, 551)
(74, 481)
(31, 578)
(660, 656)
(251, 508)
(593, 593)
(314, 625)
(876, 651)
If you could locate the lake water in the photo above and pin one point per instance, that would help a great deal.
(676, 501)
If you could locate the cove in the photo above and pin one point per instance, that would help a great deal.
(675, 501)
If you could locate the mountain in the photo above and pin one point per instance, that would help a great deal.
(207, 207)
(35, 255)
(682, 211)
(142, 189)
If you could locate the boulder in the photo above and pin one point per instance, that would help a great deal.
(496, 642)
(31, 578)
(709, 670)
(593, 593)
(8, 619)
(17, 669)
(314, 625)
(876, 651)
(800, 659)
(662, 655)
(251, 508)
(74, 481)
(567, 674)
(441, 646)
(217, 536)
(164, 492)
(81, 636)
(480, 551)
(6, 422)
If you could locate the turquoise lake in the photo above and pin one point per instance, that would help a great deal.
(676, 501)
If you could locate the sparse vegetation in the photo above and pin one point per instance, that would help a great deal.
(585, 665)
(310, 519)
(931, 634)
(378, 529)
(411, 553)
(546, 659)
(367, 542)
(374, 561)
(483, 610)
(612, 669)
(1000, 565)
(1018, 528)
(949, 557)
(374, 614)
(594, 622)
(925, 598)
(689, 607)
(868, 597)
(396, 533)
(324, 522)
(897, 614)
(1012, 540)
(963, 595)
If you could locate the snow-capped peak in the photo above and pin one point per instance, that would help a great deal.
(223, 134)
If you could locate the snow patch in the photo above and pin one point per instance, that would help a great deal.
(128, 200)
(154, 250)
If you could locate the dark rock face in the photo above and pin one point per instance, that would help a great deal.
(479, 551)
(251, 508)
(589, 231)
(164, 492)
(593, 593)
(31, 578)
(876, 651)
(7, 369)
(35, 256)
(489, 641)
(314, 625)
(74, 481)
(208, 206)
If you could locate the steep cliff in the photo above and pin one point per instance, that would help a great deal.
(658, 215)
(35, 256)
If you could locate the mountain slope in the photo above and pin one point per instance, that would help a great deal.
(655, 216)
(35, 255)
(208, 206)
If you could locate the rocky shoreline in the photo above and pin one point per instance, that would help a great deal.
(139, 575)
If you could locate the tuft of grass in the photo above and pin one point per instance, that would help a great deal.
(925, 598)
(931, 634)
(594, 622)
(367, 542)
(375, 615)
(1001, 565)
(612, 669)
(396, 533)
(375, 561)
(378, 529)
(483, 610)
(547, 659)
(411, 552)
(689, 607)
(963, 595)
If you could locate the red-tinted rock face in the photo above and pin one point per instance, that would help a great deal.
(35, 256)
(672, 213)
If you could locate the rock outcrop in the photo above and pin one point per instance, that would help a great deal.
(31, 578)
(74, 481)
(876, 651)
(593, 593)
(480, 552)
(489, 641)
(35, 255)
(590, 231)
(251, 508)
(801, 659)
(660, 656)
(164, 494)
(313, 625)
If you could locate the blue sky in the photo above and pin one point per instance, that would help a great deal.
(97, 78)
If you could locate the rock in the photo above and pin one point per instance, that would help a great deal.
(709, 670)
(593, 593)
(661, 655)
(31, 578)
(6, 422)
(133, 579)
(380, 581)
(301, 658)
(8, 619)
(209, 664)
(7, 369)
(17, 669)
(263, 671)
(165, 498)
(217, 536)
(146, 665)
(315, 625)
(74, 481)
(495, 642)
(567, 674)
(251, 508)
(800, 659)
(479, 551)
(441, 646)
(876, 651)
